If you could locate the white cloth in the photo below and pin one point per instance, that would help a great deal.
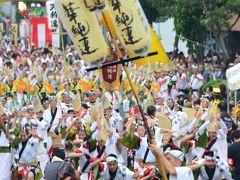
(183, 173)
(126, 105)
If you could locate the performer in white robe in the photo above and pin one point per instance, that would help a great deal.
(51, 116)
(113, 170)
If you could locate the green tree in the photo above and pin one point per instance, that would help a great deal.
(216, 17)
(195, 19)
(187, 17)
(154, 9)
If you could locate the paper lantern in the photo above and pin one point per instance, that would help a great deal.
(90, 4)
(131, 25)
(83, 28)
(100, 4)
(93, 5)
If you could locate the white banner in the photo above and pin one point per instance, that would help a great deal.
(53, 21)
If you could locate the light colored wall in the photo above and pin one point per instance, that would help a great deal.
(165, 30)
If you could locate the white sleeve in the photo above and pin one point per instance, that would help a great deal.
(223, 168)
(222, 132)
(203, 127)
(175, 128)
(204, 116)
(191, 125)
(182, 173)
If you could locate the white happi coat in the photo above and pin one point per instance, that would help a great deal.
(47, 116)
(143, 148)
(183, 173)
(222, 170)
(179, 124)
(29, 154)
(116, 121)
(220, 146)
(123, 173)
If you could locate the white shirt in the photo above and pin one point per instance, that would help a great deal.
(221, 170)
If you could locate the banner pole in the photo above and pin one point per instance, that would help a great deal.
(159, 162)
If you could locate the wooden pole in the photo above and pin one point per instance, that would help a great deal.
(119, 62)
(62, 40)
(159, 162)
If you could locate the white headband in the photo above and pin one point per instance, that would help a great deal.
(111, 158)
(176, 153)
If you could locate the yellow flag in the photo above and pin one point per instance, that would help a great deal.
(1, 33)
(155, 46)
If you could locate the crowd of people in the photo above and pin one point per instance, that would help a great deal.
(59, 121)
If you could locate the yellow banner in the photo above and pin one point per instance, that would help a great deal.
(156, 45)
(1, 32)
(14, 33)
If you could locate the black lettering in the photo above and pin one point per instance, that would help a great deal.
(70, 11)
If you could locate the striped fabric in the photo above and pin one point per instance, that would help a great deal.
(41, 35)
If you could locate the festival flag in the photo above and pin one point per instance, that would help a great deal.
(1, 32)
(53, 20)
(156, 46)
(110, 74)
(14, 33)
